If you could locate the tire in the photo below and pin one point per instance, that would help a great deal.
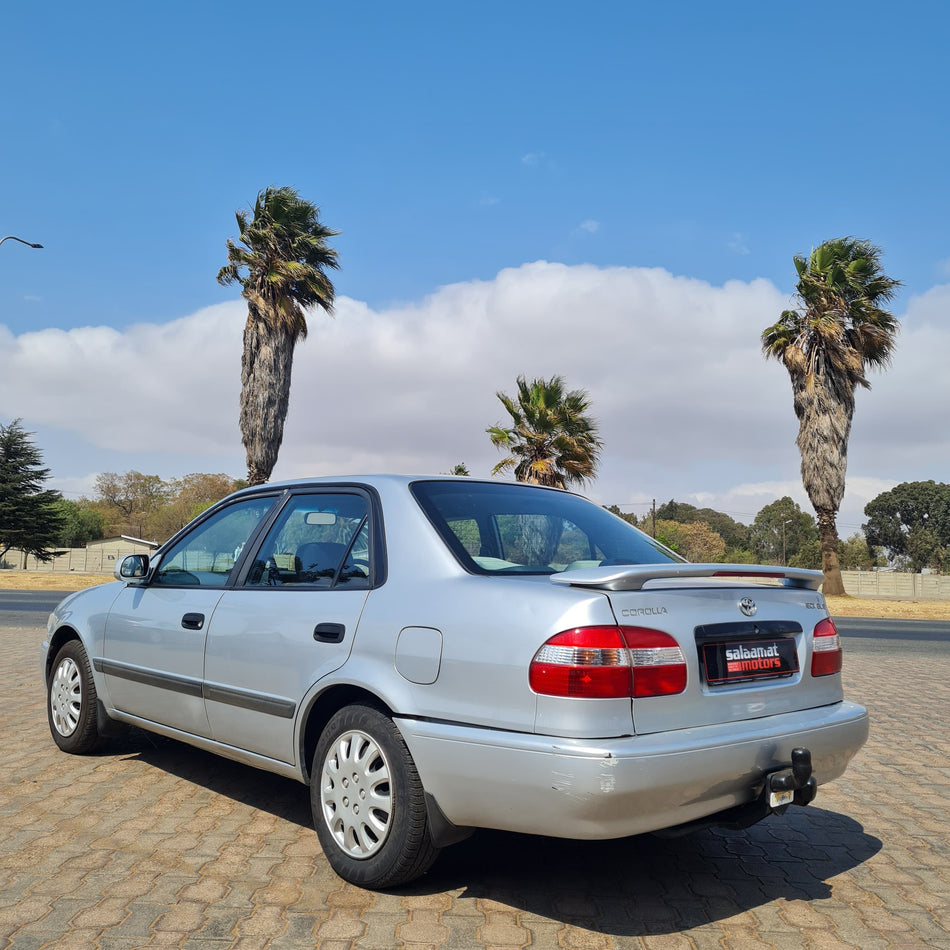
(368, 802)
(71, 701)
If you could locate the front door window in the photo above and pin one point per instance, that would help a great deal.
(207, 555)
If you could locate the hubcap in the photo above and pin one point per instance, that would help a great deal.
(356, 794)
(65, 697)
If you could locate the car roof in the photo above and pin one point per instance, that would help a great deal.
(378, 480)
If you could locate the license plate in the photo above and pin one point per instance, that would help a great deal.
(777, 799)
(740, 661)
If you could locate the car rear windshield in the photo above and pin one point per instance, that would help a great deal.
(499, 528)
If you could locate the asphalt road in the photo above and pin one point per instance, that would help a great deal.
(28, 608)
(861, 636)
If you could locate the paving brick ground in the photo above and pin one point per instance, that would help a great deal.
(155, 844)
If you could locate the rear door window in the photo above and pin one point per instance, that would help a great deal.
(320, 540)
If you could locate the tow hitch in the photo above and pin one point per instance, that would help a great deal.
(788, 786)
(792, 786)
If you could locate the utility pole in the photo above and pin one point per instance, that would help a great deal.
(654, 519)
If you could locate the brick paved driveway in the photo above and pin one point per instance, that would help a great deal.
(157, 844)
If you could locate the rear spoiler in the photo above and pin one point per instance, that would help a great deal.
(634, 576)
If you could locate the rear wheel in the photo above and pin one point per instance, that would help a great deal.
(71, 701)
(368, 802)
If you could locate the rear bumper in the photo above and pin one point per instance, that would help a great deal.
(610, 788)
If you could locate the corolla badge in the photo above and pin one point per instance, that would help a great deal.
(747, 606)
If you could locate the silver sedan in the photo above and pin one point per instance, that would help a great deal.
(435, 655)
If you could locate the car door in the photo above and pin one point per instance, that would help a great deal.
(290, 620)
(154, 646)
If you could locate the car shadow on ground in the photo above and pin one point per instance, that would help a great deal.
(649, 885)
(282, 797)
(640, 886)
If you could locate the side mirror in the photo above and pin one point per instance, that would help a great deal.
(132, 567)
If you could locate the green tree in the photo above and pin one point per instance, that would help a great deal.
(148, 506)
(734, 533)
(187, 498)
(551, 440)
(838, 330)
(627, 516)
(694, 540)
(81, 523)
(129, 501)
(924, 549)
(680, 511)
(809, 556)
(30, 518)
(780, 530)
(912, 520)
(856, 554)
(286, 256)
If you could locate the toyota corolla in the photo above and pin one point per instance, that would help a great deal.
(434, 655)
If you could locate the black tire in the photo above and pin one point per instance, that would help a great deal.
(368, 802)
(71, 701)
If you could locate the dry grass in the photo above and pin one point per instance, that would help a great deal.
(36, 580)
(889, 609)
(838, 606)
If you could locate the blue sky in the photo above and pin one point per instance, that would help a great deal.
(451, 144)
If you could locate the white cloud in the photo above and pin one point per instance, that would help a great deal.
(899, 425)
(532, 158)
(169, 387)
(688, 407)
(592, 227)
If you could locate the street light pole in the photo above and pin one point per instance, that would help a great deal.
(13, 237)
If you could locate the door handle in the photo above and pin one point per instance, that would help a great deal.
(193, 621)
(329, 632)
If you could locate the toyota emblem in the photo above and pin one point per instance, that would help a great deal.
(747, 606)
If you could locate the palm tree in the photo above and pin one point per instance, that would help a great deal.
(285, 253)
(838, 330)
(551, 441)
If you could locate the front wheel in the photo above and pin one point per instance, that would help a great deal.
(71, 701)
(368, 802)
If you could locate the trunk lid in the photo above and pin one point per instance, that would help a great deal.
(746, 632)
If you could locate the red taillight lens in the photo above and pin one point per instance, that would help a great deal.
(825, 649)
(587, 661)
(608, 663)
(659, 667)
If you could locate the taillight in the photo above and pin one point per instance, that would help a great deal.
(609, 663)
(659, 667)
(585, 661)
(825, 649)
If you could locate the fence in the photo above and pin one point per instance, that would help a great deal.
(93, 560)
(896, 586)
